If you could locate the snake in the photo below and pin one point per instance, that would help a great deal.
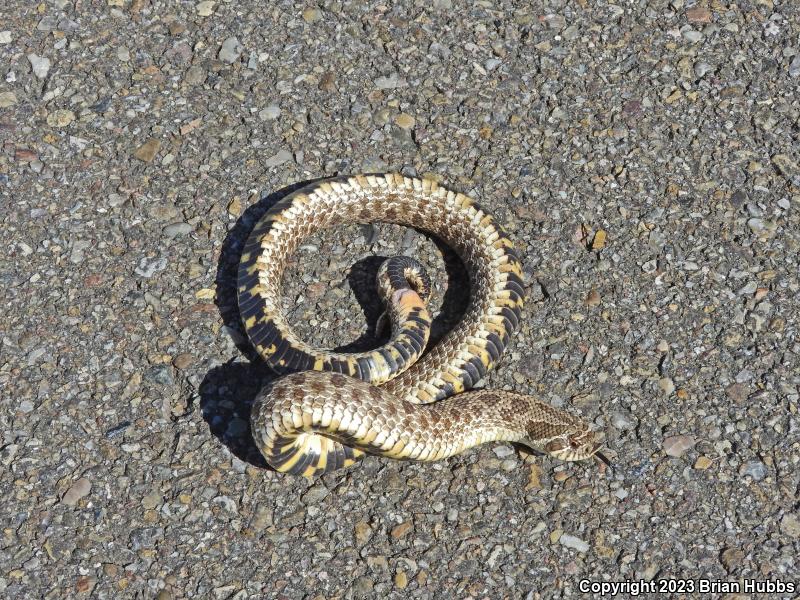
(326, 410)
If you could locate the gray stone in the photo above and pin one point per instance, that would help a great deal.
(282, 156)
(159, 374)
(177, 229)
(231, 50)
(755, 469)
(78, 490)
(40, 65)
(570, 541)
(389, 82)
(270, 113)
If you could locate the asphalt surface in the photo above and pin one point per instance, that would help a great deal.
(644, 157)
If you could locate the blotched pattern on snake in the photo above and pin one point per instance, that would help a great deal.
(328, 409)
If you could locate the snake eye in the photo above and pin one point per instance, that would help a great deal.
(574, 443)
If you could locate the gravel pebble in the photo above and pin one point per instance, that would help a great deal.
(755, 469)
(176, 229)
(40, 65)
(231, 50)
(570, 541)
(78, 490)
(790, 525)
(678, 445)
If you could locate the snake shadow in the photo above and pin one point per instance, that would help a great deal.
(227, 391)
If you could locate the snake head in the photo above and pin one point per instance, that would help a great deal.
(575, 445)
(571, 439)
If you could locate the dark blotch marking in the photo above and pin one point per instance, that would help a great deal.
(511, 316)
(494, 346)
(316, 386)
(387, 356)
(471, 374)
(375, 393)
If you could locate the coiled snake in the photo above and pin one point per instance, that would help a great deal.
(330, 408)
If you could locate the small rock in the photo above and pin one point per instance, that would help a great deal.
(205, 8)
(508, 465)
(401, 579)
(262, 519)
(5, 37)
(698, 14)
(666, 385)
(26, 406)
(747, 289)
(176, 229)
(35, 354)
(270, 113)
(152, 500)
(794, 67)
(622, 420)
(182, 361)
(283, 156)
(702, 463)
(39, 64)
(401, 530)
(570, 541)
(145, 537)
(739, 198)
(150, 266)
(701, 68)
(692, 36)
(362, 532)
(405, 121)
(503, 451)
(737, 392)
(790, 525)
(148, 150)
(159, 374)
(534, 477)
(678, 445)
(755, 469)
(195, 75)
(315, 494)
(311, 15)
(593, 298)
(76, 255)
(731, 558)
(7, 99)
(599, 240)
(60, 118)
(47, 23)
(79, 489)
(231, 50)
(362, 587)
(378, 563)
(389, 82)
(227, 503)
(786, 165)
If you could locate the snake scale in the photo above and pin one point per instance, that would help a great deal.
(328, 409)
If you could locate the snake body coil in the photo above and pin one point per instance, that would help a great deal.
(331, 408)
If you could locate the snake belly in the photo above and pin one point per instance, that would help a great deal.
(330, 408)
